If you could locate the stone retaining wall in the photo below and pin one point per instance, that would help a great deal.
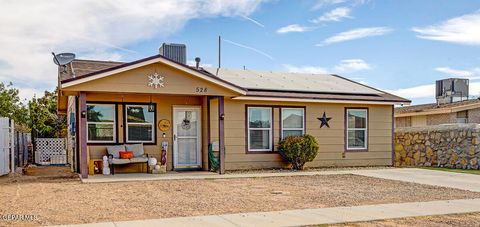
(452, 146)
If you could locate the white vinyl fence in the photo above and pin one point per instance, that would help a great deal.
(7, 158)
(50, 151)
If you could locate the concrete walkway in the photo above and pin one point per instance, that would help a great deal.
(313, 216)
(462, 181)
(422, 176)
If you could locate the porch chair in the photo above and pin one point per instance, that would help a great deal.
(139, 155)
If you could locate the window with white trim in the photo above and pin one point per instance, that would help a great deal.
(140, 124)
(357, 131)
(259, 128)
(293, 122)
(101, 123)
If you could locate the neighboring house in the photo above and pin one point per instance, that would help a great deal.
(244, 112)
(467, 111)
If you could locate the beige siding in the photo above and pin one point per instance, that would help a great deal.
(331, 140)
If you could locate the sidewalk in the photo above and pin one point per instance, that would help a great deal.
(313, 216)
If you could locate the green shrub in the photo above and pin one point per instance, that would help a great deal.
(297, 150)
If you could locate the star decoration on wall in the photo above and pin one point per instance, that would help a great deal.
(324, 120)
(156, 80)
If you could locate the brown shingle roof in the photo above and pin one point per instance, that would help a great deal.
(433, 106)
(82, 67)
(85, 68)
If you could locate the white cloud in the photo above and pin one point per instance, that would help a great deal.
(248, 48)
(31, 29)
(344, 66)
(422, 91)
(253, 21)
(463, 30)
(324, 3)
(469, 74)
(294, 28)
(305, 69)
(336, 14)
(355, 34)
(428, 91)
(352, 65)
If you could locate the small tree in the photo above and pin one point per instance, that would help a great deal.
(43, 116)
(297, 150)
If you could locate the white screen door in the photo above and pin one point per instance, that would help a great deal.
(187, 142)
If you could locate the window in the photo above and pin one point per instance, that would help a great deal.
(293, 122)
(356, 129)
(462, 116)
(101, 123)
(259, 128)
(140, 124)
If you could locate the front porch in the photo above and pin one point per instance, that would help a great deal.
(164, 135)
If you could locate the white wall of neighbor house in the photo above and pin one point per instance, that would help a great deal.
(418, 121)
(71, 142)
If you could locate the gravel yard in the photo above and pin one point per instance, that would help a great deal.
(66, 200)
(471, 219)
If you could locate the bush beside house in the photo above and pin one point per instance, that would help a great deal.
(298, 150)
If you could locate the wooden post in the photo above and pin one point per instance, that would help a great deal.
(12, 146)
(221, 133)
(208, 132)
(83, 135)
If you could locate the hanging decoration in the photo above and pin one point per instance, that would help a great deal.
(324, 120)
(155, 80)
(151, 106)
(164, 125)
(186, 124)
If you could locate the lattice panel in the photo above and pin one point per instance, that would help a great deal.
(50, 151)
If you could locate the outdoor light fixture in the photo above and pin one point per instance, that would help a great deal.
(222, 116)
(83, 114)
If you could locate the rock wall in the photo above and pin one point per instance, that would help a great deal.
(452, 146)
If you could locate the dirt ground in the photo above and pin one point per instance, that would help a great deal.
(471, 219)
(64, 199)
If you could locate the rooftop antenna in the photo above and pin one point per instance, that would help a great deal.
(219, 50)
(63, 59)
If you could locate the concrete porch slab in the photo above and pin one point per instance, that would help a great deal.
(189, 175)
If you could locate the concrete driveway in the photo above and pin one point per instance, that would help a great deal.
(463, 181)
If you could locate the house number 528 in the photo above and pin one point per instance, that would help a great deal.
(201, 89)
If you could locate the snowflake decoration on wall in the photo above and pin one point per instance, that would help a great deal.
(156, 80)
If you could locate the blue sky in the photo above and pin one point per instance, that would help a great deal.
(399, 46)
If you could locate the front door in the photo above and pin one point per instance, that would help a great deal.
(187, 141)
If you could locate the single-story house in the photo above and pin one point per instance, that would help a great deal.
(467, 111)
(244, 113)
